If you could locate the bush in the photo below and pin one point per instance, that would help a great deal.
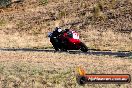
(43, 2)
(4, 3)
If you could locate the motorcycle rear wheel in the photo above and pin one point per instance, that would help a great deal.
(83, 48)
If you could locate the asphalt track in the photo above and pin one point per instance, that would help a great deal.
(90, 52)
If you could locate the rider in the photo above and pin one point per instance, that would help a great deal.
(55, 40)
(60, 37)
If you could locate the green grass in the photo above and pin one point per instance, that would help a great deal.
(2, 22)
(43, 2)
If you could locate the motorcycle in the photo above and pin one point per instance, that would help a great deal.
(67, 41)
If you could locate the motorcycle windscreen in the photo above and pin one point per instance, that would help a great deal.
(74, 41)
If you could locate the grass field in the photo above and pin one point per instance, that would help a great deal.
(57, 70)
(102, 24)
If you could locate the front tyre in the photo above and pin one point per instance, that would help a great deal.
(54, 43)
(63, 47)
(83, 48)
(56, 48)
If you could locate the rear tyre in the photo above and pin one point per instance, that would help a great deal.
(84, 48)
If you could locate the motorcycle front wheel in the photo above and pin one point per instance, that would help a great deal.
(54, 42)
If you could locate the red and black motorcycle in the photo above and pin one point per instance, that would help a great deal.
(67, 41)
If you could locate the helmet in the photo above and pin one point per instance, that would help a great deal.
(58, 29)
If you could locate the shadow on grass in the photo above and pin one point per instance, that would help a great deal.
(90, 52)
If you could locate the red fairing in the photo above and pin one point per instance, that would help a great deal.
(65, 35)
(72, 40)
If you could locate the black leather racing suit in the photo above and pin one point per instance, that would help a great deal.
(55, 40)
